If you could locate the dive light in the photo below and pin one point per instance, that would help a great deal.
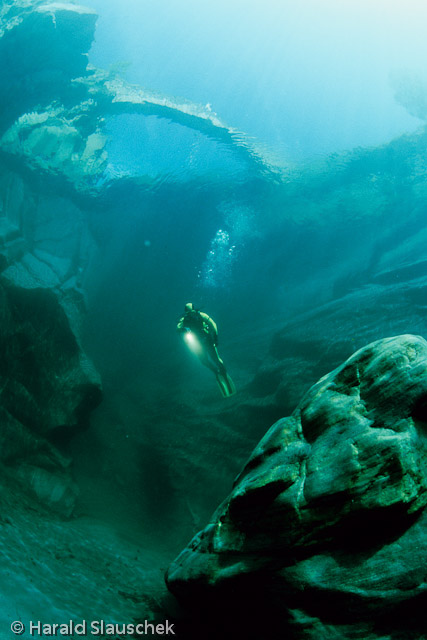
(192, 341)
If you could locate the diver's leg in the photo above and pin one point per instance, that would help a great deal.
(224, 381)
(207, 361)
(220, 367)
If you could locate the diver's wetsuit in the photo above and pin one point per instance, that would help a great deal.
(206, 331)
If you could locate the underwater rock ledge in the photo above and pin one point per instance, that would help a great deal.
(325, 531)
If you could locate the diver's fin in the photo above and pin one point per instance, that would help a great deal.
(226, 384)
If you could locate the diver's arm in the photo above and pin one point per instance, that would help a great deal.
(212, 328)
(180, 326)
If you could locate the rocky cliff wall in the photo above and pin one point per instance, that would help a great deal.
(48, 384)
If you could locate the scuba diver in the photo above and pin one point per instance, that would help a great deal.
(201, 335)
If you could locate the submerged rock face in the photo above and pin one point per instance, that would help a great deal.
(327, 518)
(48, 386)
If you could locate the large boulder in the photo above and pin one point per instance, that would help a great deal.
(324, 532)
